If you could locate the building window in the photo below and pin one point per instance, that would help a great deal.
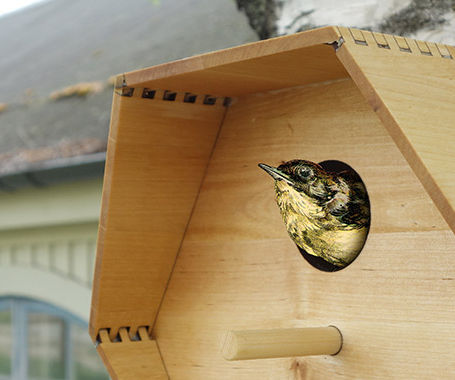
(6, 343)
(41, 341)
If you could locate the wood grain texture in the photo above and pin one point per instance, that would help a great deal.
(238, 269)
(266, 65)
(281, 343)
(411, 86)
(157, 155)
(131, 360)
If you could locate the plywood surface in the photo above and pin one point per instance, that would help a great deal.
(157, 155)
(238, 270)
(411, 85)
(266, 65)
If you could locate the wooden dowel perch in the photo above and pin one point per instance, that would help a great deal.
(280, 343)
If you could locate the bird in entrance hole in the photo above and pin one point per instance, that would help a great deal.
(326, 214)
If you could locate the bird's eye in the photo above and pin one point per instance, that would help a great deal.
(305, 172)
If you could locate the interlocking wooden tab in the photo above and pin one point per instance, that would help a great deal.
(128, 359)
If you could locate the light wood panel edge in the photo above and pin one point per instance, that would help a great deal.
(325, 35)
(108, 169)
(378, 41)
(231, 55)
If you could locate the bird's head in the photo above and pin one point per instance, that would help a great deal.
(305, 177)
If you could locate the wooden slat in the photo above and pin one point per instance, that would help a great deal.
(423, 47)
(402, 44)
(157, 155)
(413, 46)
(392, 43)
(451, 50)
(358, 36)
(380, 39)
(238, 269)
(414, 95)
(443, 50)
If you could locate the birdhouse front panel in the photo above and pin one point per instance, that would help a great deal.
(237, 268)
(193, 244)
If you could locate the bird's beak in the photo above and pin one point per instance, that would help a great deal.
(276, 174)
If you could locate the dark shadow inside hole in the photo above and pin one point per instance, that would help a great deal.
(127, 91)
(148, 94)
(169, 95)
(337, 167)
(209, 100)
(189, 98)
(319, 262)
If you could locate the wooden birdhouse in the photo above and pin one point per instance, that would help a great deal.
(193, 253)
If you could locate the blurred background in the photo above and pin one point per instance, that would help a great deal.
(58, 59)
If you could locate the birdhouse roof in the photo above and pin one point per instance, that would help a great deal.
(409, 84)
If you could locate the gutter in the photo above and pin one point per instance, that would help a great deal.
(52, 172)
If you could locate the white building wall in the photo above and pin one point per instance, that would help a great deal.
(47, 244)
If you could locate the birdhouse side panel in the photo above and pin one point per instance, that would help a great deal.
(158, 152)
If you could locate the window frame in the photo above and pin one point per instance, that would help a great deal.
(20, 308)
(6, 304)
